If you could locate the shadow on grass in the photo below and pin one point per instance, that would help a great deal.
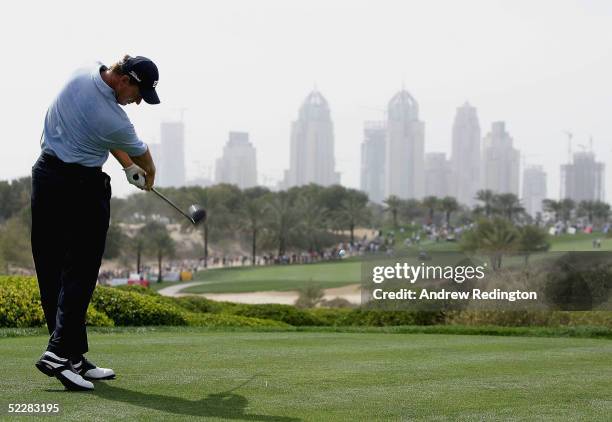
(225, 404)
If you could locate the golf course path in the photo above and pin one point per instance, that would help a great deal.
(352, 293)
(174, 290)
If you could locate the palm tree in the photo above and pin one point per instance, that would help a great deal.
(253, 213)
(313, 220)
(494, 238)
(430, 203)
(587, 208)
(552, 206)
(601, 211)
(508, 205)
(487, 197)
(410, 209)
(449, 205)
(567, 206)
(353, 211)
(532, 239)
(200, 196)
(159, 242)
(393, 204)
(282, 220)
(138, 243)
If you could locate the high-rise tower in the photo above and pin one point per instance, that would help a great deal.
(465, 156)
(405, 148)
(311, 157)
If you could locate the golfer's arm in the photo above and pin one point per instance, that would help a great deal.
(144, 161)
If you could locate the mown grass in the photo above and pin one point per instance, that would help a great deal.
(278, 277)
(321, 376)
(340, 273)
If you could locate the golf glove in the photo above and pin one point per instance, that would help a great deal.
(135, 175)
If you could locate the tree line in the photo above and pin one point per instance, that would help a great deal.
(306, 218)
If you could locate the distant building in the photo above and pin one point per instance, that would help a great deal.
(311, 158)
(172, 169)
(373, 160)
(465, 156)
(238, 164)
(500, 161)
(583, 179)
(438, 175)
(534, 189)
(405, 148)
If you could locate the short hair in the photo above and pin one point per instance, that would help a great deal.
(117, 68)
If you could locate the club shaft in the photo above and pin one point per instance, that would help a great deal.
(172, 204)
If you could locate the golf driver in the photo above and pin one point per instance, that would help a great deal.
(195, 215)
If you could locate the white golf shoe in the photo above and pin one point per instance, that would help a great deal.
(52, 365)
(90, 371)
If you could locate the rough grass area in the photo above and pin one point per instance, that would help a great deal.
(318, 376)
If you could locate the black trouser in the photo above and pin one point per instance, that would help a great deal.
(70, 216)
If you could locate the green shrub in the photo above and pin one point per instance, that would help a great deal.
(381, 318)
(285, 313)
(129, 308)
(200, 304)
(225, 320)
(591, 318)
(331, 316)
(20, 302)
(502, 318)
(95, 318)
(136, 288)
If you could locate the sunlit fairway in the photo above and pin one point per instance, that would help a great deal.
(278, 277)
(180, 374)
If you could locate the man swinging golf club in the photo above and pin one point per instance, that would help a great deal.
(71, 201)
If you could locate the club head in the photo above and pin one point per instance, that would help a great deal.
(197, 214)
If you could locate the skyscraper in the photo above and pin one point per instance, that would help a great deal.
(373, 160)
(534, 189)
(311, 158)
(405, 148)
(583, 179)
(500, 161)
(173, 154)
(237, 165)
(465, 156)
(438, 175)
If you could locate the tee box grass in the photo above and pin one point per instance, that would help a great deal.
(189, 374)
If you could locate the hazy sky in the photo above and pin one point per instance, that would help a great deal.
(543, 67)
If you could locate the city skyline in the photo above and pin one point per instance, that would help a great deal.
(511, 61)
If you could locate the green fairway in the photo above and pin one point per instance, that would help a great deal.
(339, 273)
(181, 374)
(580, 242)
(277, 277)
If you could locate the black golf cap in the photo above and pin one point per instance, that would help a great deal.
(145, 74)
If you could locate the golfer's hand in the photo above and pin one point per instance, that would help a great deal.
(149, 179)
(136, 176)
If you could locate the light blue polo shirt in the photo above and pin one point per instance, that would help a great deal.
(85, 121)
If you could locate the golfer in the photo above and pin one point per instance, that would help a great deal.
(71, 201)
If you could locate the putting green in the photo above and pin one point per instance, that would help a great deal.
(181, 374)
